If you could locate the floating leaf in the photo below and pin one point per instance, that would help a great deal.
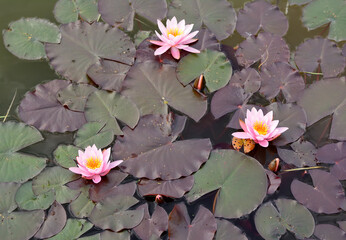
(109, 75)
(213, 65)
(303, 154)
(240, 179)
(274, 182)
(18, 167)
(261, 14)
(266, 47)
(122, 13)
(338, 130)
(25, 37)
(320, 52)
(93, 237)
(334, 153)
(150, 151)
(7, 200)
(206, 40)
(272, 221)
(27, 200)
(92, 133)
(281, 77)
(322, 98)
(111, 213)
(321, 12)
(218, 15)
(154, 88)
(105, 108)
(173, 188)
(54, 223)
(202, 227)
(298, 2)
(328, 231)
(74, 96)
(327, 195)
(41, 109)
(248, 78)
(82, 206)
(54, 178)
(66, 11)
(83, 45)
(291, 116)
(73, 229)
(108, 235)
(65, 155)
(140, 36)
(225, 229)
(152, 225)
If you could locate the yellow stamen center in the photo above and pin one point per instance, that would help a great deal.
(174, 31)
(93, 163)
(261, 127)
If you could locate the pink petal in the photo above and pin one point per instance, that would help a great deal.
(188, 41)
(188, 29)
(174, 22)
(162, 37)
(243, 125)
(273, 125)
(242, 135)
(193, 50)
(181, 24)
(269, 116)
(281, 129)
(80, 171)
(161, 50)
(96, 178)
(115, 163)
(191, 35)
(260, 115)
(157, 42)
(175, 52)
(106, 154)
(264, 143)
(161, 27)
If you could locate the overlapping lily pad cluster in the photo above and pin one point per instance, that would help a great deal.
(153, 112)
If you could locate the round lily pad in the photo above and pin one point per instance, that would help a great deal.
(303, 154)
(73, 229)
(334, 153)
(8, 193)
(247, 78)
(217, 15)
(328, 231)
(225, 229)
(25, 37)
(66, 11)
(105, 108)
(273, 220)
(108, 235)
(65, 155)
(82, 206)
(338, 130)
(92, 133)
(240, 179)
(83, 45)
(214, 66)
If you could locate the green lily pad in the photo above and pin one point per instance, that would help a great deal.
(153, 88)
(217, 15)
(54, 178)
(65, 155)
(83, 45)
(27, 200)
(93, 133)
(240, 179)
(272, 221)
(321, 12)
(105, 107)
(82, 206)
(225, 229)
(322, 98)
(25, 37)
(214, 66)
(7, 200)
(73, 229)
(298, 2)
(66, 11)
(112, 213)
(18, 167)
(141, 36)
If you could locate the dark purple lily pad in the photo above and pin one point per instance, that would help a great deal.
(41, 109)
(282, 77)
(322, 98)
(152, 225)
(54, 223)
(108, 235)
(83, 45)
(274, 182)
(338, 130)
(320, 52)
(342, 225)
(248, 78)
(206, 40)
(109, 75)
(266, 47)
(334, 153)
(303, 154)
(202, 227)
(217, 15)
(291, 116)
(328, 231)
(153, 88)
(74, 96)
(261, 14)
(173, 188)
(150, 151)
(326, 196)
(225, 229)
(344, 50)
(122, 13)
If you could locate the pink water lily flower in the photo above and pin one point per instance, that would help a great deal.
(175, 36)
(259, 128)
(94, 163)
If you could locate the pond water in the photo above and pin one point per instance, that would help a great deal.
(18, 76)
